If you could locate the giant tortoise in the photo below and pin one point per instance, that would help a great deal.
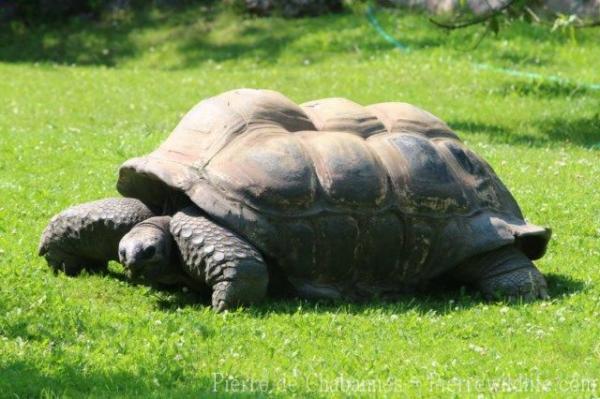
(252, 194)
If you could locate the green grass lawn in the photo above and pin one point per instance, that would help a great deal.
(77, 101)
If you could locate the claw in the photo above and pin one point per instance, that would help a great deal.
(220, 306)
(219, 303)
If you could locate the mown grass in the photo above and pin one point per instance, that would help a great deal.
(78, 100)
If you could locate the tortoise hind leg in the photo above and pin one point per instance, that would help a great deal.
(228, 264)
(504, 272)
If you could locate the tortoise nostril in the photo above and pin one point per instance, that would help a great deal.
(123, 255)
(149, 252)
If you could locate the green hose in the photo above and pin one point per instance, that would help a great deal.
(508, 71)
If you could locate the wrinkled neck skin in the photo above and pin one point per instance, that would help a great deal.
(170, 272)
(176, 277)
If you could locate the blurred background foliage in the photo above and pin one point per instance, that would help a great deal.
(56, 11)
(175, 34)
(576, 12)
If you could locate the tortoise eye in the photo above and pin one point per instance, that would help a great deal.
(149, 252)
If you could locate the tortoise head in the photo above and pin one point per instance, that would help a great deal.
(146, 251)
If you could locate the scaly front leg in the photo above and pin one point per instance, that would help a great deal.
(504, 272)
(233, 268)
(87, 236)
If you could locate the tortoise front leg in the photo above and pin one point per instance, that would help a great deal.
(228, 264)
(504, 272)
(87, 236)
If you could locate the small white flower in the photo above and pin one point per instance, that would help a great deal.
(540, 333)
(477, 349)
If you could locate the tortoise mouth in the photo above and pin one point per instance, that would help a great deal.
(149, 272)
(135, 272)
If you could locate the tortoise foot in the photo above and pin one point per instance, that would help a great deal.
(526, 283)
(72, 265)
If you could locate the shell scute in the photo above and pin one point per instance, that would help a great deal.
(349, 173)
(267, 170)
(342, 115)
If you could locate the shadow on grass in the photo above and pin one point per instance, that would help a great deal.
(561, 285)
(259, 43)
(584, 132)
(496, 133)
(85, 41)
(188, 28)
(110, 41)
(20, 379)
(441, 297)
(544, 89)
(78, 42)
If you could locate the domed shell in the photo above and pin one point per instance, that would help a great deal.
(252, 159)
